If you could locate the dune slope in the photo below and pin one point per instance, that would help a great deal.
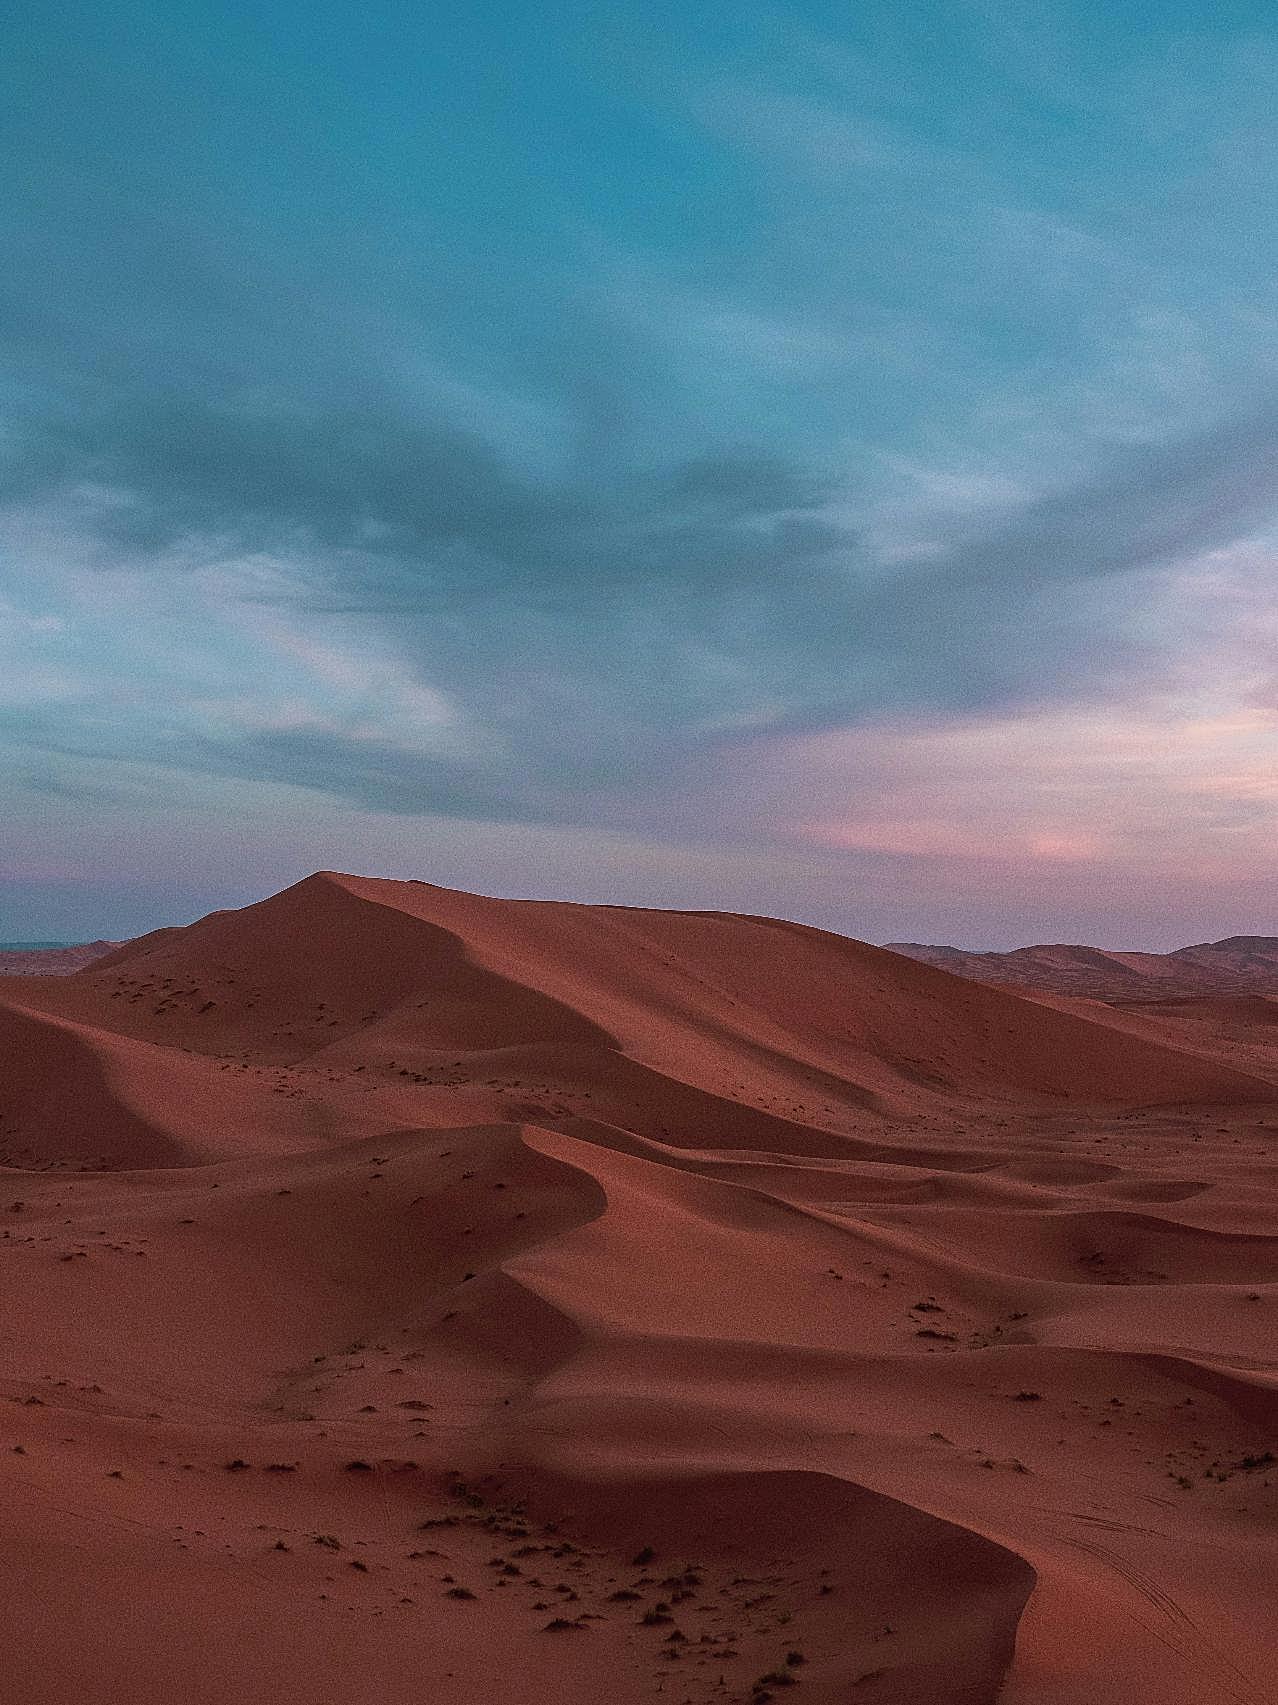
(409, 1294)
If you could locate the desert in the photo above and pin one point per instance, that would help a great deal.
(414, 1295)
(638, 811)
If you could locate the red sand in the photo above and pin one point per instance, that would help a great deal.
(411, 1296)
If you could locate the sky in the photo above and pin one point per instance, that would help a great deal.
(818, 460)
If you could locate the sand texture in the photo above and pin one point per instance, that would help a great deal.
(414, 1297)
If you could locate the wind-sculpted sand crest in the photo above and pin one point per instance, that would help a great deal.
(415, 1296)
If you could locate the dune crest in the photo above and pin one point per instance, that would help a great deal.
(479, 1299)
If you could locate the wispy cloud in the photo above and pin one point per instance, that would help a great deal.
(799, 132)
(571, 459)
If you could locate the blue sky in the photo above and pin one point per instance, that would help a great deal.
(816, 459)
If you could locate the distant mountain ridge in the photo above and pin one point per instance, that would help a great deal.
(1240, 964)
(35, 959)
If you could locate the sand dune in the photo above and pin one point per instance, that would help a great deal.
(414, 1295)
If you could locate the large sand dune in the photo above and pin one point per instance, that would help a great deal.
(414, 1296)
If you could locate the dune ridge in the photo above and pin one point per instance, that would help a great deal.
(479, 1299)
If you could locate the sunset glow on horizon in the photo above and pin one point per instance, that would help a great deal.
(781, 459)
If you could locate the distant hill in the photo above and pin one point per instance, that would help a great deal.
(1240, 964)
(50, 959)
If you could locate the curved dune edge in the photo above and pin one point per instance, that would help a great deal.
(81, 1097)
(409, 1220)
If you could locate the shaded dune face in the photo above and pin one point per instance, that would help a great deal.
(478, 1300)
(64, 1101)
